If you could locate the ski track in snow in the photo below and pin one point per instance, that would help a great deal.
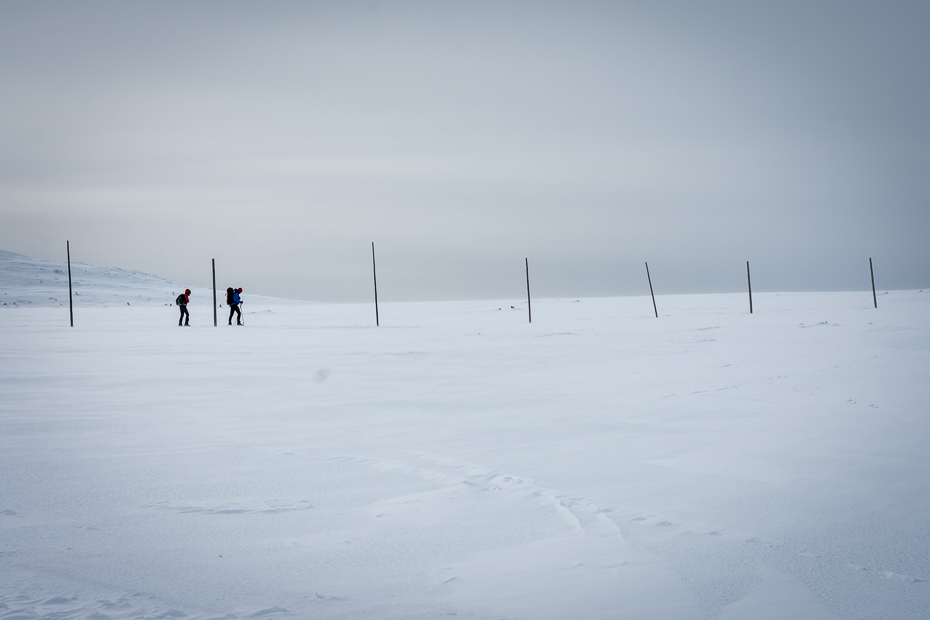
(582, 517)
(653, 531)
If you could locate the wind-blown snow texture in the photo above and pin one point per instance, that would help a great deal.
(599, 463)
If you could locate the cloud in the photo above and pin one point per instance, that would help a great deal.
(287, 136)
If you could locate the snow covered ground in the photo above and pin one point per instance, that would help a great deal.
(458, 462)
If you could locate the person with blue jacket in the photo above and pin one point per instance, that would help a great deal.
(233, 301)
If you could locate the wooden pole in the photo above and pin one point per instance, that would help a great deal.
(374, 271)
(651, 291)
(749, 281)
(529, 306)
(70, 299)
(213, 262)
(872, 271)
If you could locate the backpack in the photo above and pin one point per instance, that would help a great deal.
(180, 300)
(229, 296)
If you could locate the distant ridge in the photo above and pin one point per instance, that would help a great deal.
(35, 282)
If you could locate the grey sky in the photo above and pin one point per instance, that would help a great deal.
(282, 138)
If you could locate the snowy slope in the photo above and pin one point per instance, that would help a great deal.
(459, 462)
(26, 281)
(34, 282)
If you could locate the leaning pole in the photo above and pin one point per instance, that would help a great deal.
(529, 306)
(749, 282)
(70, 300)
(651, 292)
(374, 272)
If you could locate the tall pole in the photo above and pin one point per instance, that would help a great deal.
(213, 262)
(70, 299)
(651, 291)
(374, 271)
(529, 306)
(749, 281)
(872, 271)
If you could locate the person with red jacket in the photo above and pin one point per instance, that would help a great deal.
(182, 301)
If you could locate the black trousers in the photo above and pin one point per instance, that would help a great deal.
(235, 308)
(184, 315)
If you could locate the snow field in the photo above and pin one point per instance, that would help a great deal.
(599, 463)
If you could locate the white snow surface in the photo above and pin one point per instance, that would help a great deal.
(458, 461)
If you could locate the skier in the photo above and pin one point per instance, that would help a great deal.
(182, 302)
(233, 301)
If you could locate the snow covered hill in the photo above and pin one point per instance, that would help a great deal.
(599, 463)
(35, 282)
(27, 281)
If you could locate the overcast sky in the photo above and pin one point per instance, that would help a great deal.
(282, 138)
